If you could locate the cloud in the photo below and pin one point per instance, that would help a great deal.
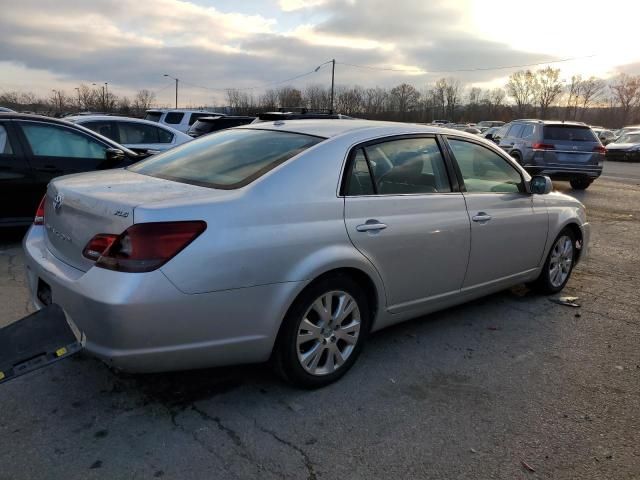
(131, 44)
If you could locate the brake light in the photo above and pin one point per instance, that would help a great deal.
(39, 218)
(599, 149)
(543, 146)
(98, 245)
(147, 246)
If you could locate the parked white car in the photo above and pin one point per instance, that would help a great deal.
(177, 118)
(134, 133)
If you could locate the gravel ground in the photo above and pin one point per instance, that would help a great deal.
(478, 391)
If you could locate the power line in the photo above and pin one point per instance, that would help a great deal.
(479, 69)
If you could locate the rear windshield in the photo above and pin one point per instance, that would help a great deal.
(153, 116)
(227, 159)
(569, 133)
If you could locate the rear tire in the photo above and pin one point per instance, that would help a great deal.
(559, 264)
(516, 157)
(580, 183)
(316, 345)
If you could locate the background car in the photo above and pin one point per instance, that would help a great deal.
(562, 150)
(625, 148)
(179, 119)
(35, 149)
(136, 134)
(292, 241)
(490, 123)
(489, 133)
(605, 135)
(6, 110)
(206, 125)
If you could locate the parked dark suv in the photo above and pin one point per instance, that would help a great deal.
(211, 124)
(35, 149)
(562, 150)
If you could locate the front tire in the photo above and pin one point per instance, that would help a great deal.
(323, 332)
(558, 265)
(580, 183)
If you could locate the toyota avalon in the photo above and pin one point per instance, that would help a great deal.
(292, 241)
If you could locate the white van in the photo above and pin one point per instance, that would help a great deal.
(177, 118)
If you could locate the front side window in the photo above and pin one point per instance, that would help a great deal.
(139, 133)
(53, 141)
(174, 118)
(483, 170)
(5, 144)
(227, 159)
(404, 166)
(101, 127)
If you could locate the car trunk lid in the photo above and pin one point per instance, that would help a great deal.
(78, 207)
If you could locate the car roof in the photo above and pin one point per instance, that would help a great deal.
(550, 122)
(224, 117)
(180, 110)
(80, 119)
(328, 128)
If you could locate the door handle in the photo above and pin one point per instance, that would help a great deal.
(481, 217)
(371, 226)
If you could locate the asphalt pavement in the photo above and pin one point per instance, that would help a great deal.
(512, 386)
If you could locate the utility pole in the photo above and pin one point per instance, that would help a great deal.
(167, 75)
(333, 74)
(106, 94)
(79, 102)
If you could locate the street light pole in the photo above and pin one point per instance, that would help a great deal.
(167, 75)
(79, 102)
(106, 94)
(333, 74)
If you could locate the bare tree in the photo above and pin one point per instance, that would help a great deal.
(452, 94)
(521, 87)
(626, 91)
(143, 100)
(548, 88)
(439, 95)
(289, 97)
(374, 100)
(590, 90)
(59, 100)
(404, 98)
(349, 100)
(316, 97)
(268, 100)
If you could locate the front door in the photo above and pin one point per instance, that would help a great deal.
(403, 215)
(59, 150)
(508, 229)
(18, 198)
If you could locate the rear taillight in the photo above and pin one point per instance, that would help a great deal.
(543, 146)
(599, 149)
(98, 245)
(39, 218)
(146, 246)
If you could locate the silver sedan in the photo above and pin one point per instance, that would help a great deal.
(291, 241)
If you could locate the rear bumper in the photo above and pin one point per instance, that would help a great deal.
(142, 323)
(564, 172)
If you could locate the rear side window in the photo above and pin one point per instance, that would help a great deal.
(569, 133)
(515, 130)
(174, 118)
(228, 159)
(404, 166)
(5, 144)
(140, 133)
(153, 116)
(527, 131)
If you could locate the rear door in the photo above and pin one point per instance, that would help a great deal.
(511, 137)
(403, 213)
(18, 195)
(508, 227)
(55, 149)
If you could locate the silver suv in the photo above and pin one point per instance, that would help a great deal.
(561, 150)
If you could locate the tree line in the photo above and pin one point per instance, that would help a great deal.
(527, 94)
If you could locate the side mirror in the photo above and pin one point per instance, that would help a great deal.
(114, 155)
(540, 184)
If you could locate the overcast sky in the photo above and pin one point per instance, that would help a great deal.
(246, 43)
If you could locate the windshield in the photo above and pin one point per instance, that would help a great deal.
(569, 133)
(153, 116)
(629, 138)
(227, 159)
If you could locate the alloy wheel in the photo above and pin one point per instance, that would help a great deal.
(560, 261)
